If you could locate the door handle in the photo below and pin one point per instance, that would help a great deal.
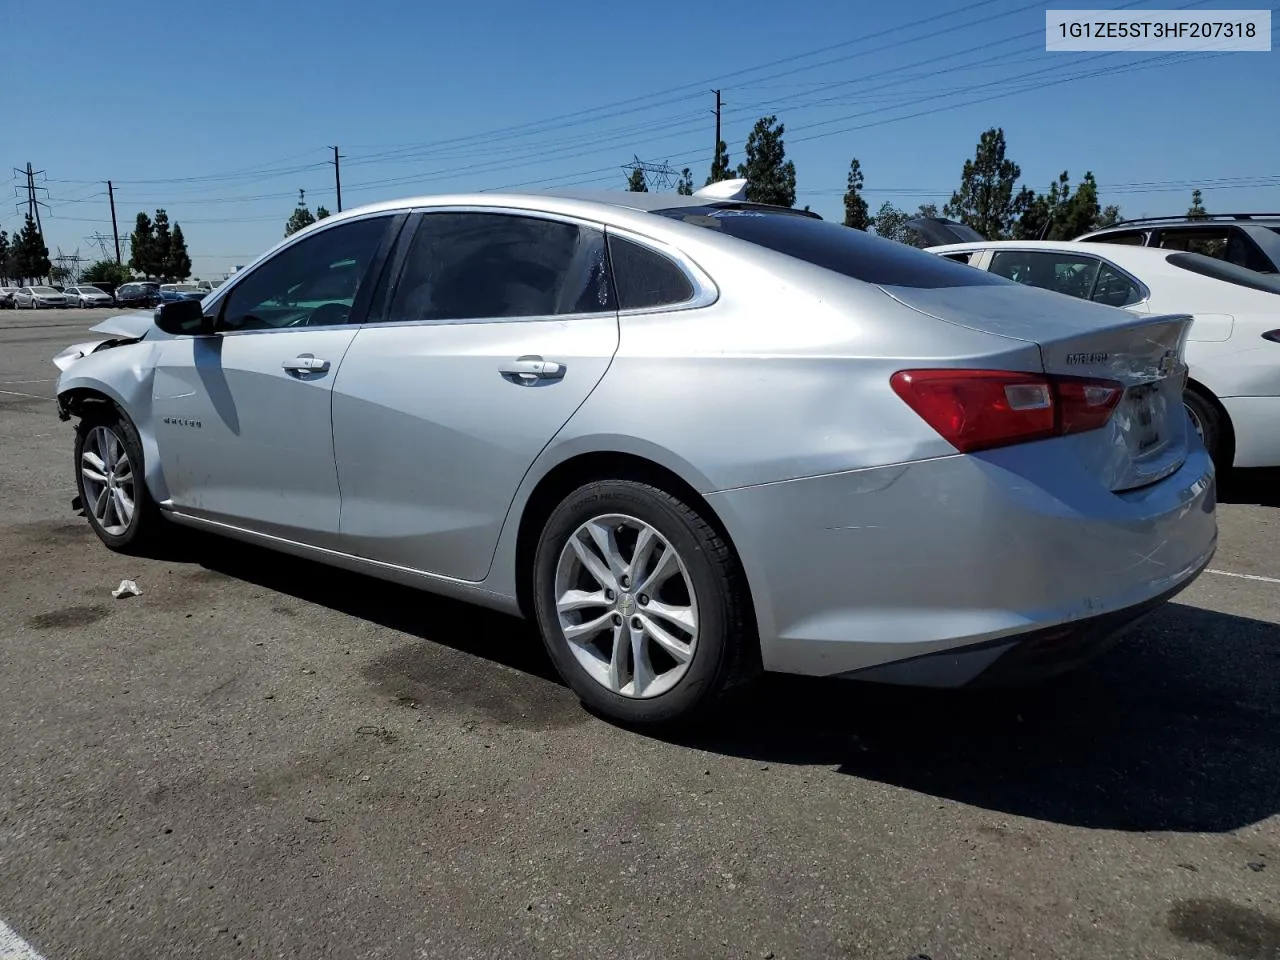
(306, 363)
(531, 369)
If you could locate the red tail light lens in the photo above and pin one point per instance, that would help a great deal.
(981, 409)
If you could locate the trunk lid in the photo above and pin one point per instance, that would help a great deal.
(1148, 436)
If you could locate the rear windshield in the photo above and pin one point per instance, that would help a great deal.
(853, 253)
(1226, 272)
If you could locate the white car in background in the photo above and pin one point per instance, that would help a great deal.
(1233, 351)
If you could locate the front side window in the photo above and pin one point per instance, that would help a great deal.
(495, 266)
(311, 283)
(1066, 273)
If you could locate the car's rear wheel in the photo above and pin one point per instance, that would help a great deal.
(109, 475)
(641, 603)
(1207, 421)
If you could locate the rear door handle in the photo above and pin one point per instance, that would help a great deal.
(306, 363)
(531, 369)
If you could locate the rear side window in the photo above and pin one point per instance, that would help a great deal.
(1067, 273)
(959, 257)
(1115, 289)
(645, 278)
(1130, 238)
(853, 253)
(495, 266)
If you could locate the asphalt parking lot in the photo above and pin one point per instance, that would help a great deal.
(260, 757)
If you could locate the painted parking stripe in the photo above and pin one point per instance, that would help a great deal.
(29, 396)
(13, 947)
(1245, 576)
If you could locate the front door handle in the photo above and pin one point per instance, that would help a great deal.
(531, 369)
(306, 363)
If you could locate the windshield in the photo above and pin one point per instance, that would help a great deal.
(853, 253)
(44, 291)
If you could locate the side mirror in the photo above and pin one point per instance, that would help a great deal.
(183, 318)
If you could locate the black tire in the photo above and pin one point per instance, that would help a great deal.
(145, 524)
(1206, 416)
(726, 651)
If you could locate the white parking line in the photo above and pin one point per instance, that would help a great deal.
(13, 947)
(1245, 576)
(6, 383)
(29, 396)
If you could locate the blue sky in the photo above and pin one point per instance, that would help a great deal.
(220, 115)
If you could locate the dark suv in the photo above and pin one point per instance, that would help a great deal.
(139, 293)
(1250, 240)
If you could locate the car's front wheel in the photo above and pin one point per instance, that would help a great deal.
(109, 475)
(642, 603)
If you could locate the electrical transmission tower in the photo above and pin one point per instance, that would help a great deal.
(70, 262)
(32, 202)
(657, 176)
(103, 242)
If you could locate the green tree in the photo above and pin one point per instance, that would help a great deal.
(1060, 213)
(161, 242)
(720, 169)
(301, 216)
(4, 255)
(1197, 210)
(770, 176)
(891, 223)
(106, 271)
(856, 212)
(684, 186)
(985, 200)
(142, 246)
(321, 212)
(178, 265)
(927, 210)
(636, 182)
(1109, 216)
(30, 253)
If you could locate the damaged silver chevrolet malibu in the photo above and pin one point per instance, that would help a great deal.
(693, 438)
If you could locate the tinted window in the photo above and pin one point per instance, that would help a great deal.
(1115, 289)
(1066, 273)
(486, 266)
(313, 282)
(1132, 238)
(959, 257)
(645, 278)
(853, 253)
(1221, 243)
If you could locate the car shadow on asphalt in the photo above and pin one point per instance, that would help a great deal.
(1177, 729)
(1261, 487)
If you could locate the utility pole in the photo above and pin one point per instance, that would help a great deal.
(115, 231)
(337, 176)
(717, 146)
(33, 205)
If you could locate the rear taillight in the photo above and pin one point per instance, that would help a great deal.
(980, 409)
(1272, 335)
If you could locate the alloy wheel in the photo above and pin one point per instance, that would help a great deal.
(626, 606)
(109, 480)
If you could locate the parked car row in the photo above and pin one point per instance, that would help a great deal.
(136, 294)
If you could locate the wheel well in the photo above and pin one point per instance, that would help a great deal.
(577, 471)
(79, 401)
(1228, 430)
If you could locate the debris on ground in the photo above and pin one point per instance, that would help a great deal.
(127, 588)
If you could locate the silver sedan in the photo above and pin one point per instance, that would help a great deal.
(693, 438)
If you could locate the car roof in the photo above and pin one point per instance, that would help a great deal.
(1094, 248)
